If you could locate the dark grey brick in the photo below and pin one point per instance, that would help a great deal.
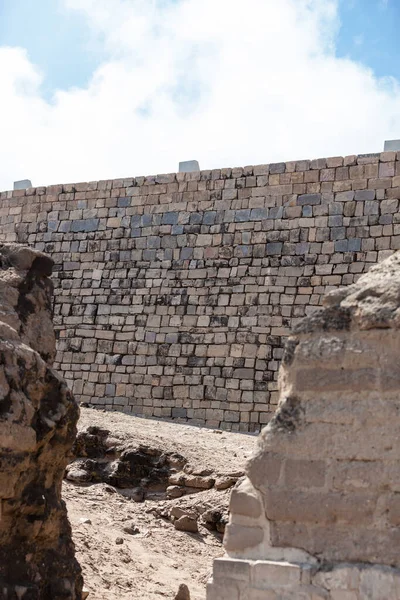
(186, 253)
(153, 241)
(354, 244)
(341, 246)
(276, 212)
(242, 215)
(169, 241)
(136, 221)
(335, 221)
(308, 199)
(362, 195)
(85, 225)
(302, 248)
(338, 233)
(179, 413)
(52, 225)
(146, 220)
(371, 207)
(209, 217)
(149, 254)
(274, 248)
(335, 208)
(258, 214)
(276, 168)
(307, 211)
(196, 218)
(123, 202)
(243, 251)
(243, 373)
(170, 218)
(65, 227)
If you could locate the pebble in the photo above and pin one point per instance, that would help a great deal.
(119, 541)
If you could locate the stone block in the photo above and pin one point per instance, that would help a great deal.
(312, 199)
(275, 575)
(245, 500)
(239, 538)
(231, 569)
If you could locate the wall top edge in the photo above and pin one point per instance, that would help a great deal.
(223, 173)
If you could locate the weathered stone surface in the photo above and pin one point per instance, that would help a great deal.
(321, 479)
(37, 430)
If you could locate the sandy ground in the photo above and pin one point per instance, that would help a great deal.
(152, 563)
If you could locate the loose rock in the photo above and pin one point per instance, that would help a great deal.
(183, 593)
(175, 491)
(186, 523)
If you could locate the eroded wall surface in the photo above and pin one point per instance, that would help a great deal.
(38, 417)
(319, 511)
(174, 293)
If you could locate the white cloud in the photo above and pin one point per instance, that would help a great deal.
(225, 82)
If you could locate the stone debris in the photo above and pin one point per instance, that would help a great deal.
(191, 481)
(186, 523)
(139, 472)
(223, 483)
(132, 529)
(37, 431)
(175, 491)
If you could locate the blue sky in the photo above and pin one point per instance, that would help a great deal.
(57, 40)
(62, 45)
(101, 89)
(369, 34)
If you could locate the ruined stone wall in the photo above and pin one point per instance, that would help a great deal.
(38, 417)
(318, 516)
(174, 293)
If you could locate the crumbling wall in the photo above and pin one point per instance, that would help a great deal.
(38, 417)
(174, 293)
(319, 512)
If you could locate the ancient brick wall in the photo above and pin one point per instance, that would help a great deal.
(174, 293)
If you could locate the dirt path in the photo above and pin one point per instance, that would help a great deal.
(153, 562)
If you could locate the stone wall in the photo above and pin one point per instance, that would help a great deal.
(174, 293)
(319, 514)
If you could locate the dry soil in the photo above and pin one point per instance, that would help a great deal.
(152, 563)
